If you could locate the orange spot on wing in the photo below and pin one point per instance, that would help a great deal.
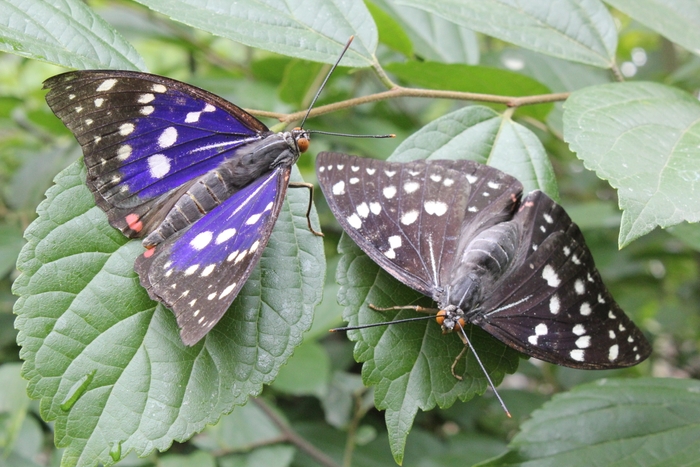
(134, 222)
(149, 252)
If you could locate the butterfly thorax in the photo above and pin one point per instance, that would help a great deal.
(479, 267)
(246, 164)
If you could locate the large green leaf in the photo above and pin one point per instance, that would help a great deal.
(577, 30)
(107, 363)
(477, 79)
(434, 38)
(644, 139)
(642, 422)
(409, 364)
(64, 32)
(675, 19)
(310, 29)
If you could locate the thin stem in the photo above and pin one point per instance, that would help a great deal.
(357, 417)
(292, 437)
(400, 91)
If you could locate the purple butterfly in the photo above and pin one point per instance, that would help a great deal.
(198, 178)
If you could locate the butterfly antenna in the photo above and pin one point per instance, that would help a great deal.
(374, 325)
(488, 378)
(345, 49)
(319, 132)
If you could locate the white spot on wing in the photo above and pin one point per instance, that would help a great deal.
(494, 185)
(548, 218)
(579, 330)
(201, 240)
(409, 217)
(146, 110)
(394, 243)
(158, 165)
(554, 305)
(354, 221)
(579, 287)
(146, 98)
(389, 192)
(225, 235)
(436, 177)
(106, 85)
(126, 129)
(472, 178)
(390, 173)
(208, 270)
(576, 354)
(583, 342)
(363, 210)
(339, 188)
(159, 88)
(613, 352)
(354, 180)
(188, 272)
(227, 290)
(550, 276)
(436, 208)
(410, 187)
(99, 101)
(585, 309)
(370, 171)
(376, 208)
(448, 182)
(168, 137)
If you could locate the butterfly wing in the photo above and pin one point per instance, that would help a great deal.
(199, 271)
(145, 138)
(553, 304)
(407, 216)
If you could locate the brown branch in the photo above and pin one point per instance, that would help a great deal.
(400, 91)
(292, 437)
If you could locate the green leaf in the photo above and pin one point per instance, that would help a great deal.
(11, 243)
(313, 30)
(108, 364)
(677, 20)
(576, 30)
(409, 364)
(433, 37)
(66, 33)
(644, 139)
(477, 79)
(641, 422)
(307, 372)
(687, 233)
(483, 135)
(241, 430)
(13, 406)
(390, 31)
(299, 78)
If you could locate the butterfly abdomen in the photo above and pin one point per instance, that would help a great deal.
(481, 264)
(246, 164)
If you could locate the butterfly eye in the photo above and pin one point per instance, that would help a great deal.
(303, 144)
(440, 317)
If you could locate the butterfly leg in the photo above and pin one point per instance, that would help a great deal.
(457, 359)
(418, 308)
(310, 187)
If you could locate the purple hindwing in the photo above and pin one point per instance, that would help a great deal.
(458, 232)
(198, 272)
(198, 178)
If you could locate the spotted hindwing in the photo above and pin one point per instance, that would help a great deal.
(407, 216)
(145, 138)
(199, 271)
(553, 305)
